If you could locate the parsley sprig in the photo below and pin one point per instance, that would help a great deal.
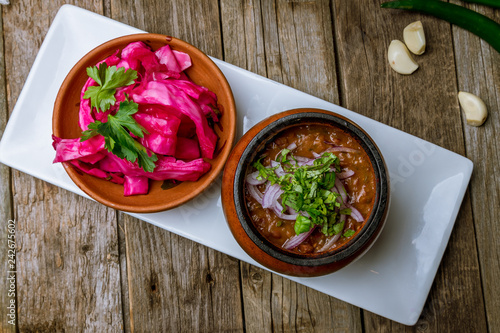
(116, 131)
(117, 138)
(308, 189)
(108, 79)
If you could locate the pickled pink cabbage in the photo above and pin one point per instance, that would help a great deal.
(174, 111)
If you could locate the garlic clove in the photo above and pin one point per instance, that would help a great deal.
(474, 108)
(400, 58)
(414, 37)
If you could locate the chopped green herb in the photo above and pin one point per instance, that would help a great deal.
(108, 79)
(338, 227)
(117, 138)
(282, 156)
(307, 189)
(267, 173)
(279, 223)
(346, 211)
(302, 224)
(348, 233)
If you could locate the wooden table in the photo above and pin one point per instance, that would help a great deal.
(84, 267)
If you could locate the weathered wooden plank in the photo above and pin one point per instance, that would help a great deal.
(166, 294)
(195, 288)
(68, 269)
(306, 47)
(290, 43)
(8, 303)
(243, 47)
(68, 276)
(122, 257)
(478, 72)
(423, 104)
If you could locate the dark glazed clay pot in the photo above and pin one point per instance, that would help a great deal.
(243, 229)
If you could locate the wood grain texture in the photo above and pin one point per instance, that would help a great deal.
(167, 288)
(306, 47)
(124, 284)
(73, 261)
(6, 295)
(478, 72)
(427, 107)
(67, 269)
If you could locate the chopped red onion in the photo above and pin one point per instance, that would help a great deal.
(329, 242)
(255, 193)
(341, 150)
(297, 240)
(278, 211)
(341, 190)
(302, 159)
(355, 214)
(279, 170)
(271, 195)
(292, 146)
(252, 179)
(345, 174)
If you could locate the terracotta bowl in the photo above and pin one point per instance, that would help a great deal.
(238, 217)
(203, 72)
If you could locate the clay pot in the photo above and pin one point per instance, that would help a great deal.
(239, 220)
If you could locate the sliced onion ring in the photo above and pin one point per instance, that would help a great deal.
(355, 214)
(255, 193)
(341, 190)
(329, 242)
(341, 150)
(252, 179)
(278, 211)
(297, 240)
(271, 195)
(345, 174)
(279, 170)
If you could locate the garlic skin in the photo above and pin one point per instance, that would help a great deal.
(414, 37)
(400, 58)
(474, 108)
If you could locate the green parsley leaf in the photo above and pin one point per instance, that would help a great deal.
(338, 227)
(266, 173)
(349, 233)
(108, 79)
(117, 138)
(282, 156)
(302, 224)
(346, 211)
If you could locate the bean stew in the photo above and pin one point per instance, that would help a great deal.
(302, 145)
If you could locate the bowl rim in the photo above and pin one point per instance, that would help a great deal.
(229, 111)
(298, 117)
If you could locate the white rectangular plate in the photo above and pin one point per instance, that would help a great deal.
(428, 182)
